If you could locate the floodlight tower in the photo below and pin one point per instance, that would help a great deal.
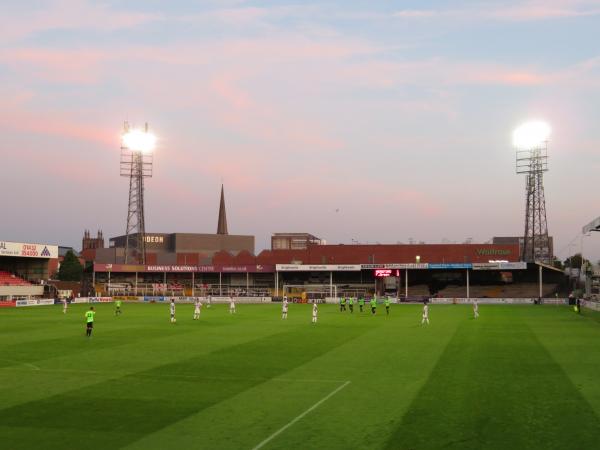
(136, 163)
(531, 143)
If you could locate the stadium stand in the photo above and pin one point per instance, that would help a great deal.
(517, 290)
(9, 279)
(417, 289)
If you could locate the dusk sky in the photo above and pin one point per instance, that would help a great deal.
(373, 121)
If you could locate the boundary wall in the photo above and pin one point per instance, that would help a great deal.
(499, 301)
(458, 301)
(595, 306)
(260, 300)
(164, 299)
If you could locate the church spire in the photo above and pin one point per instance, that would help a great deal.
(222, 225)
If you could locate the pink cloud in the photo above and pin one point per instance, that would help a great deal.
(520, 11)
(416, 13)
(225, 87)
(54, 124)
(544, 10)
(69, 14)
(236, 88)
(64, 66)
(234, 61)
(238, 16)
(499, 75)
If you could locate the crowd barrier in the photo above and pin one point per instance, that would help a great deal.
(498, 301)
(237, 299)
(254, 300)
(595, 306)
(211, 300)
(92, 300)
(336, 300)
(164, 299)
(555, 301)
(35, 302)
(459, 301)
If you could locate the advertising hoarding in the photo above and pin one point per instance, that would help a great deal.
(24, 250)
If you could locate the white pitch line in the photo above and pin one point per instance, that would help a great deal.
(297, 418)
(26, 364)
(192, 377)
(186, 377)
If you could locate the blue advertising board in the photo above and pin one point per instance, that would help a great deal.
(451, 266)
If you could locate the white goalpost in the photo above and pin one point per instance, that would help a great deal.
(311, 290)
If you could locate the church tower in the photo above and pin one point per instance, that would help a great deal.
(222, 224)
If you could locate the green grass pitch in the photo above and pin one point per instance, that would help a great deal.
(519, 377)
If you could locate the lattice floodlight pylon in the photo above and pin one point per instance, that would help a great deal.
(136, 164)
(533, 162)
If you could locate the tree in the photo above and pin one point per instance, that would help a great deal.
(70, 268)
(575, 261)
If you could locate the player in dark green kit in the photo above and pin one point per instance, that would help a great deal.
(373, 303)
(89, 319)
(361, 303)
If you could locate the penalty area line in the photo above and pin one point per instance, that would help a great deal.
(297, 418)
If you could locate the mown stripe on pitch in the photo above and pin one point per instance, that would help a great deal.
(133, 406)
(496, 387)
(44, 349)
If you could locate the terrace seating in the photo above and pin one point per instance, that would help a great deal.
(417, 289)
(516, 290)
(9, 279)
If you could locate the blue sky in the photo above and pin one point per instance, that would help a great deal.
(367, 120)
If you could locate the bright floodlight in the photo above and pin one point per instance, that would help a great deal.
(531, 135)
(139, 141)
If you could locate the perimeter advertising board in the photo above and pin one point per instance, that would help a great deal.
(36, 302)
(483, 301)
(130, 268)
(318, 267)
(23, 250)
(500, 266)
(92, 300)
(451, 266)
(395, 266)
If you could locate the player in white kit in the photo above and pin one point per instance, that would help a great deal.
(475, 309)
(315, 311)
(284, 308)
(425, 313)
(172, 307)
(197, 306)
(231, 306)
(65, 305)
